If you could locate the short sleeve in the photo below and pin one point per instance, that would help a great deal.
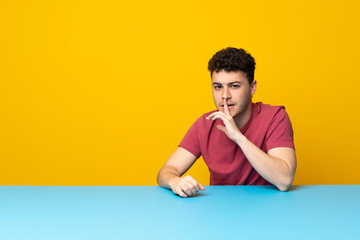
(190, 142)
(280, 132)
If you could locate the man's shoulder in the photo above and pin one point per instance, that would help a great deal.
(266, 114)
(267, 109)
(271, 115)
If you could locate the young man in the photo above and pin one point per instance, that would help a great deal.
(243, 143)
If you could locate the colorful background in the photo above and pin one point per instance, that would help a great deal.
(102, 92)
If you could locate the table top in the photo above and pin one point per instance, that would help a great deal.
(151, 212)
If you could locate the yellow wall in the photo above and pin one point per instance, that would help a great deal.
(101, 92)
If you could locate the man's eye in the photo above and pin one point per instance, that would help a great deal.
(217, 87)
(235, 86)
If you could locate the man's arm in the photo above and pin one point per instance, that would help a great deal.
(277, 166)
(170, 174)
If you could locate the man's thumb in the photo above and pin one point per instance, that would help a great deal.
(221, 127)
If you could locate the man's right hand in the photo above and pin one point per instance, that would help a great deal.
(170, 174)
(185, 186)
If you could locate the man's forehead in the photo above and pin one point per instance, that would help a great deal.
(228, 77)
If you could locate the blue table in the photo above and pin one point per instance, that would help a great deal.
(151, 212)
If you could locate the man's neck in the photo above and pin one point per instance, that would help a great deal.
(242, 119)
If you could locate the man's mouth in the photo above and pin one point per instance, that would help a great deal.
(229, 105)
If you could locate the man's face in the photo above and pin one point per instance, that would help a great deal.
(234, 88)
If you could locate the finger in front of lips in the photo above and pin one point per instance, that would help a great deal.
(226, 108)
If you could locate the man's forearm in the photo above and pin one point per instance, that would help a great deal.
(273, 169)
(166, 175)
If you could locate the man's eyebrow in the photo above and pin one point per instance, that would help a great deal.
(237, 82)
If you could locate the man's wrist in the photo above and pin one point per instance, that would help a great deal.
(172, 181)
(240, 139)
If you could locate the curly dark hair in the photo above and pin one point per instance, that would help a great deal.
(233, 59)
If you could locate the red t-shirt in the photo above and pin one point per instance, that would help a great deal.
(268, 127)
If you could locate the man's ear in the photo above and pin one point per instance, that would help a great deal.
(253, 87)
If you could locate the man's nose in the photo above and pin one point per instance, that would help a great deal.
(226, 93)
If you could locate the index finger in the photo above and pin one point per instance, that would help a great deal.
(226, 108)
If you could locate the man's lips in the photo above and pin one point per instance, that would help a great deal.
(229, 105)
